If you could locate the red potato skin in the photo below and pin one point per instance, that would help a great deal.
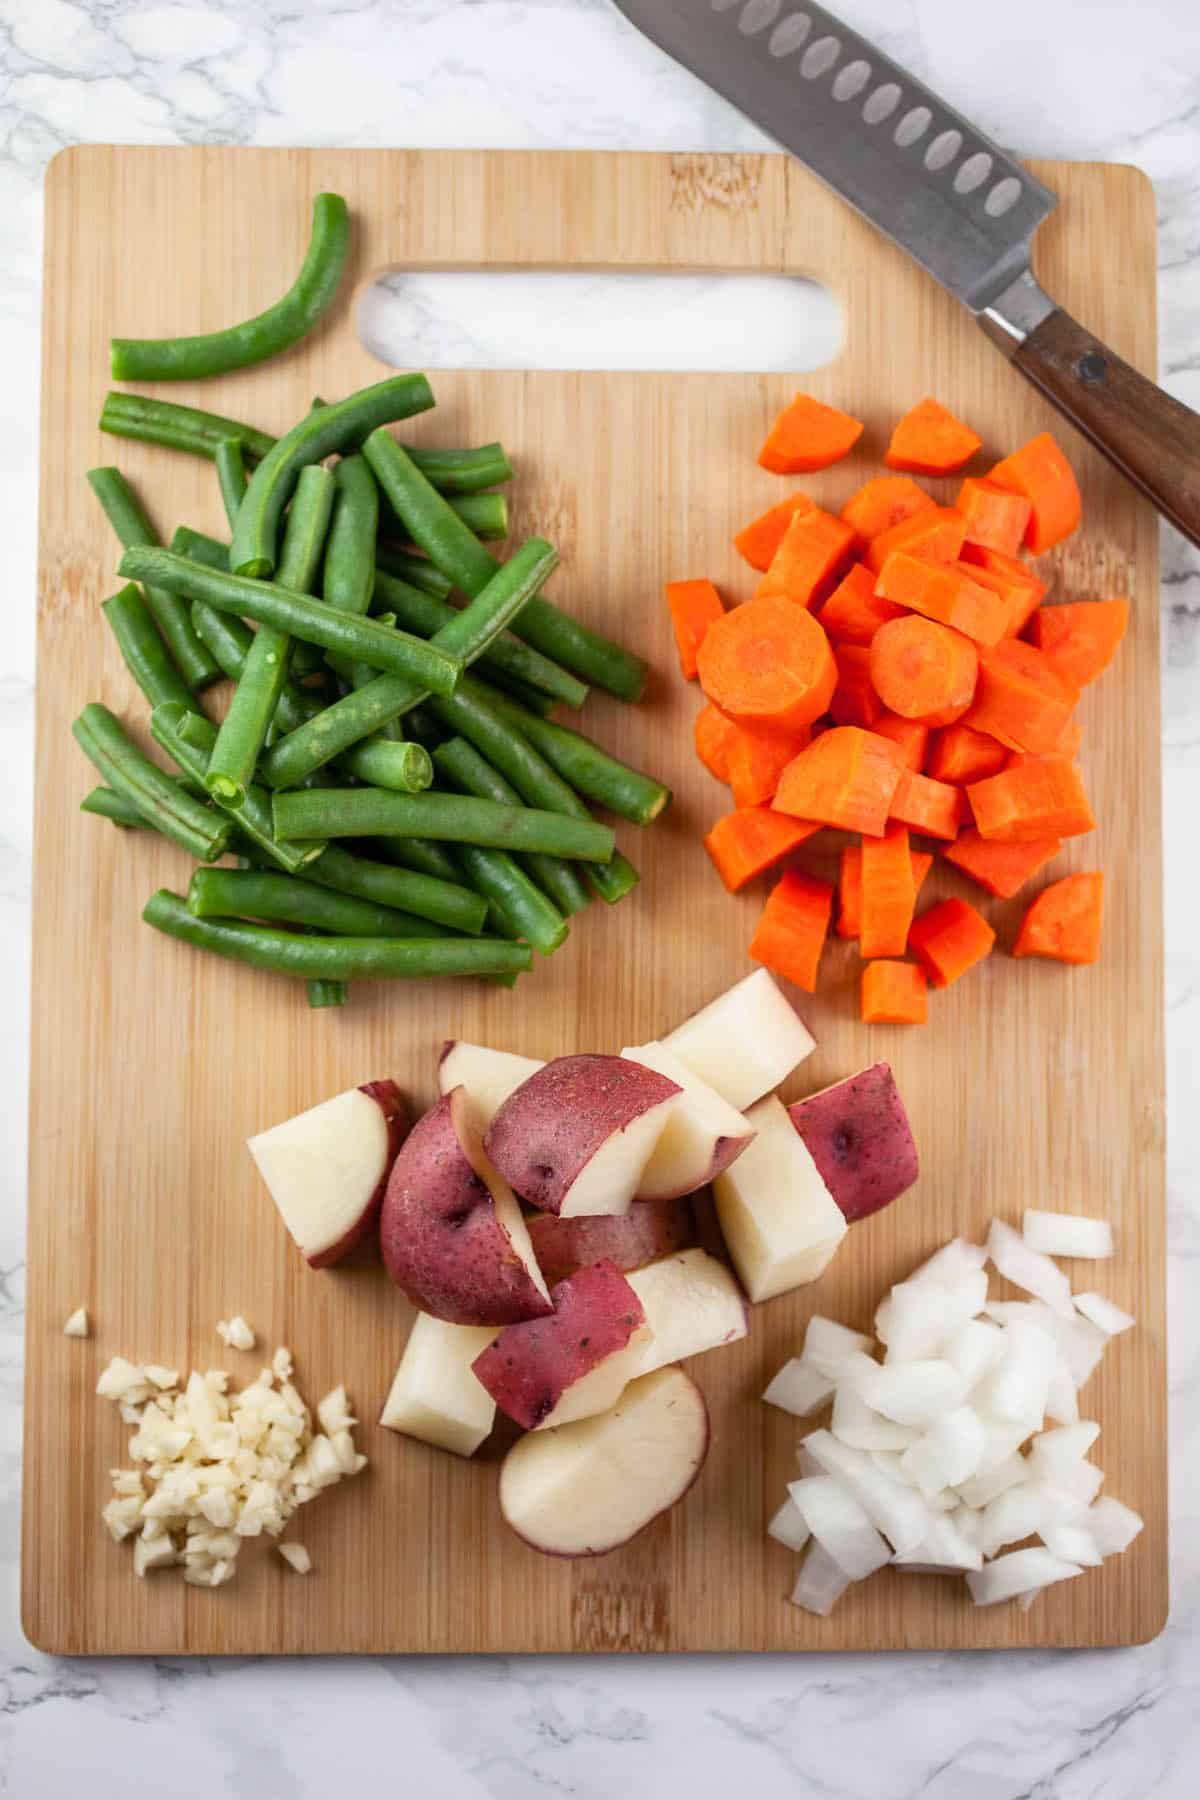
(650, 1229)
(857, 1133)
(442, 1243)
(397, 1117)
(552, 1126)
(530, 1366)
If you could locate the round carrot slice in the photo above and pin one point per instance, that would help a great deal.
(768, 663)
(923, 670)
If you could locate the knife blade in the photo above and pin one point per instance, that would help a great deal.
(959, 205)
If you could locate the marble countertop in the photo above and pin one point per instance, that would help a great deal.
(1050, 77)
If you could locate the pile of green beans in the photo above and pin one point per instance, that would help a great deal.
(385, 771)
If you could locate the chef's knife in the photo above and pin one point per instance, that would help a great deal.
(958, 204)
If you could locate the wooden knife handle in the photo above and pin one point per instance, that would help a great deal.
(1151, 438)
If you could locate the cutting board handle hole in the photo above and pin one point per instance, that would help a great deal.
(599, 319)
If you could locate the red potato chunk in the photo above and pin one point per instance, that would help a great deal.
(857, 1133)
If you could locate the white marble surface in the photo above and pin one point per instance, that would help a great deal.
(1092, 78)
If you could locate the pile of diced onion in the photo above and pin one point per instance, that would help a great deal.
(966, 1437)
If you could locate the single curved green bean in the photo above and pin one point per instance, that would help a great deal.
(394, 652)
(418, 571)
(521, 904)
(327, 993)
(436, 528)
(591, 771)
(106, 803)
(288, 900)
(531, 698)
(406, 768)
(433, 897)
(349, 575)
(613, 880)
(175, 427)
(461, 765)
(450, 818)
(484, 514)
(197, 546)
(267, 333)
(338, 427)
(422, 856)
(336, 958)
(128, 519)
(464, 471)
(160, 800)
(142, 648)
(231, 475)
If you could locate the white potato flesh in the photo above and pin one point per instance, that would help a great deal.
(589, 1487)
(489, 1076)
(1066, 1234)
(1022, 1572)
(692, 1304)
(435, 1395)
(798, 1388)
(820, 1583)
(701, 1131)
(788, 1528)
(743, 1043)
(324, 1167)
(603, 1384)
(1104, 1314)
(608, 1182)
(779, 1220)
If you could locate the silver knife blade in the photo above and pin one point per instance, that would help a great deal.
(921, 173)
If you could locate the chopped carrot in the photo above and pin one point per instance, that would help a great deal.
(996, 517)
(1003, 869)
(910, 737)
(923, 671)
(894, 993)
(945, 592)
(1041, 472)
(845, 778)
(808, 435)
(855, 701)
(884, 502)
(1064, 921)
(950, 939)
(854, 612)
(961, 754)
(757, 759)
(1045, 798)
(1068, 740)
(713, 736)
(745, 843)
(791, 933)
(1080, 639)
(1021, 698)
(889, 893)
(759, 540)
(694, 606)
(929, 440)
(768, 663)
(850, 886)
(1014, 581)
(934, 535)
(812, 552)
(922, 862)
(931, 807)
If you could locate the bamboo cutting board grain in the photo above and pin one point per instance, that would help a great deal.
(152, 1063)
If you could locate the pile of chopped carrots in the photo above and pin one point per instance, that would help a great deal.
(897, 675)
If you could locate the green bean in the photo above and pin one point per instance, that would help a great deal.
(484, 514)
(264, 672)
(463, 767)
(278, 328)
(142, 648)
(327, 993)
(231, 475)
(349, 576)
(287, 900)
(450, 818)
(127, 517)
(436, 528)
(464, 471)
(591, 771)
(422, 856)
(317, 435)
(175, 427)
(160, 800)
(613, 880)
(441, 901)
(336, 958)
(107, 804)
(418, 571)
(406, 768)
(531, 698)
(197, 546)
(188, 740)
(522, 905)
(393, 651)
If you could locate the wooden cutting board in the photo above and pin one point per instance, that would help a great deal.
(1034, 1084)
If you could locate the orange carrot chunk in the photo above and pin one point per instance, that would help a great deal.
(745, 843)
(759, 540)
(929, 440)
(910, 737)
(791, 933)
(714, 734)
(931, 807)
(923, 671)
(768, 663)
(889, 894)
(1021, 698)
(996, 517)
(1041, 472)
(1080, 639)
(884, 502)
(1064, 921)
(850, 886)
(757, 759)
(694, 607)
(961, 754)
(894, 993)
(934, 535)
(950, 939)
(854, 612)
(1014, 581)
(855, 701)
(808, 435)
(1003, 869)
(812, 552)
(944, 592)
(1044, 798)
(845, 778)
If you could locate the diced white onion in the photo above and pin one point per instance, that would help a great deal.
(1052, 1451)
(859, 1425)
(944, 1549)
(798, 1388)
(1074, 1543)
(1029, 1269)
(951, 1260)
(973, 1349)
(787, 1527)
(1022, 1572)
(827, 1345)
(948, 1454)
(981, 1489)
(1062, 1399)
(1067, 1234)
(1017, 1513)
(913, 1393)
(840, 1525)
(1104, 1314)
(820, 1584)
(894, 1510)
(1113, 1526)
